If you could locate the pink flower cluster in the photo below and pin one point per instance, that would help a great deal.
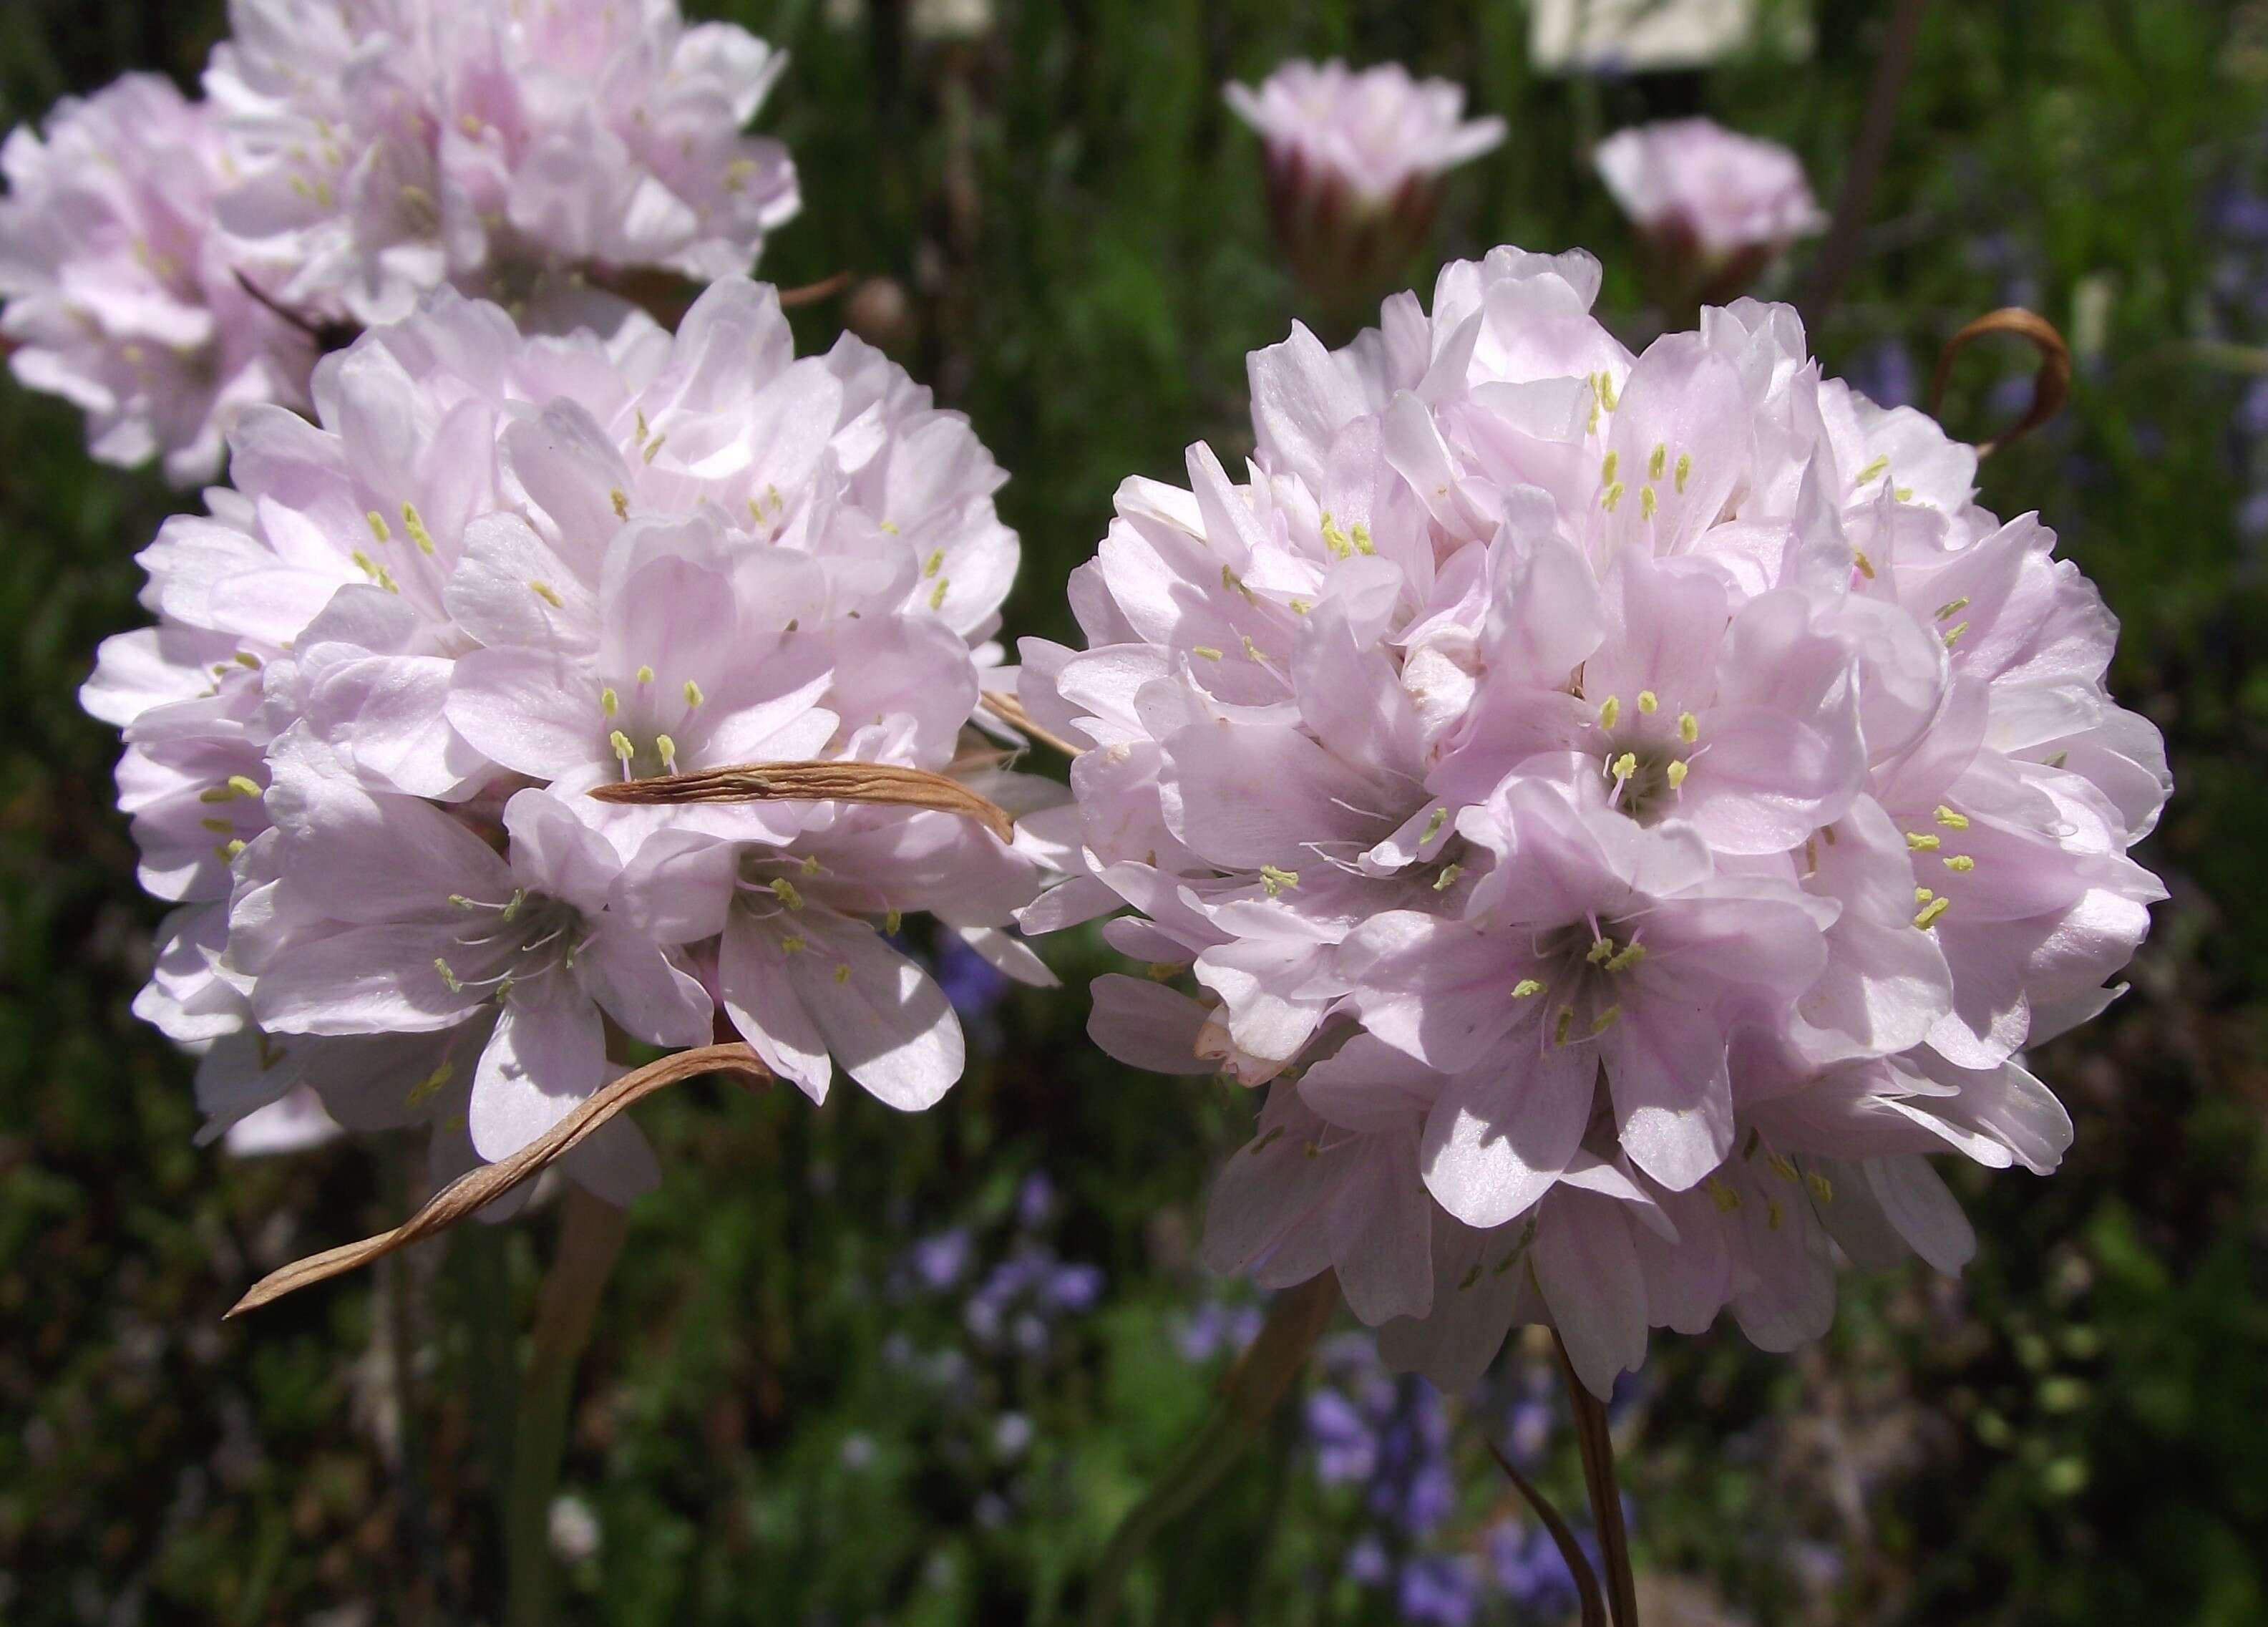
(119, 297)
(1712, 206)
(1625, 810)
(350, 159)
(497, 572)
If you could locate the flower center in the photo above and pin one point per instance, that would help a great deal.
(502, 945)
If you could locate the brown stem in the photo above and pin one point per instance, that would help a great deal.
(811, 293)
(591, 1233)
(881, 783)
(1579, 1565)
(1838, 256)
(481, 1187)
(1009, 710)
(1254, 1388)
(1598, 1450)
(2050, 384)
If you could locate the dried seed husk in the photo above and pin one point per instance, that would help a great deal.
(815, 782)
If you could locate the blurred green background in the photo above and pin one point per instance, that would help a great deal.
(858, 1367)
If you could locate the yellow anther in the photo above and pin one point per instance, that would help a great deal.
(787, 892)
(1606, 391)
(1647, 503)
(638, 435)
(1953, 634)
(418, 197)
(1611, 496)
(1688, 727)
(1336, 539)
(1629, 956)
(1821, 1187)
(1922, 842)
(1684, 471)
(375, 571)
(1902, 494)
(413, 523)
(1360, 536)
(245, 658)
(1675, 773)
(645, 674)
(1605, 1020)
(1648, 701)
(448, 977)
(1877, 466)
(1610, 711)
(888, 527)
(218, 827)
(469, 124)
(810, 865)
(425, 1089)
(1625, 765)
(548, 594)
(609, 703)
(1276, 880)
(693, 695)
(1448, 878)
(1952, 607)
(666, 749)
(934, 563)
(1234, 583)
(226, 852)
(377, 527)
(1773, 1214)
(1951, 821)
(1657, 461)
(1300, 607)
(1439, 817)
(841, 971)
(622, 501)
(1926, 917)
(1923, 895)
(1205, 652)
(1723, 1197)
(892, 921)
(1525, 987)
(791, 944)
(620, 742)
(1470, 1278)
(1782, 1166)
(1564, 1027)
(1960, 863)
(653, 447)
(1866, 565)
(1601, 950)
(937, 594)
(1608, 464)
(1251, 650)
(299, 186)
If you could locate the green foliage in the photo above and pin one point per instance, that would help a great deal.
(2074, 1433)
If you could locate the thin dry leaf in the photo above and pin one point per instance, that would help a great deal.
(816, 781)
(2050, 384)
(1578, 1564)
(483, 1186)
(1010, 710)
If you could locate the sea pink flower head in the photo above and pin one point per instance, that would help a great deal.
(1354, 160)
(1716, 206)
(1626, 810)
(521, 152)
(495, 572)
(120, 296)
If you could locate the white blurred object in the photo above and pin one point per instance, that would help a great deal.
(1638, 36)
(950, 19)
(574, 1530)
(291, 1124)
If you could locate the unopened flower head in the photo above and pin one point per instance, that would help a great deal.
(1353, 159)
(1712, 207)
(1625, 809)
(497, 572)
(119, 297)
(523, 152)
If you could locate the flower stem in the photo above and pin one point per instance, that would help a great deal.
(590, 1235)
(1598, 1450)
(1251, 1392)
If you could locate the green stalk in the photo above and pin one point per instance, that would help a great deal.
(591, 1234)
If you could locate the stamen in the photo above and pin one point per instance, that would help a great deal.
(937, 594)
(791, 944)
(1953, 634)
(1601, 951)
(1525, 987)
(1605, 1020)
(609, 703)
(786, 891)
(1610, 711)
(1608, 464)
(645, 674)
(1647, 503)
(693, 695)
(1362, 543)
(624, 749)
(1205, 652)
(416, 525)
(548, 594)
(1625, 765)
(425, 1089)
(935, 563)
(1931, 911)
(377, 527)
(1960, 862)
(1434, 826)
(1675, 773)
(621, 501)
(1567, 1025)
(1448, 878)
(1951, 821)
(1612, 495)
(1873, 468)
(891, 922)
(1275, 880)
(1952, 607)
(1866, 565)
(1629, 956)
(1922, 842)
(1723, 1197)
(1684, 471)
(1688, 727)
(841, 971)
(1658, 461)
(1648, 701)
(667, 750)
(447, 977)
